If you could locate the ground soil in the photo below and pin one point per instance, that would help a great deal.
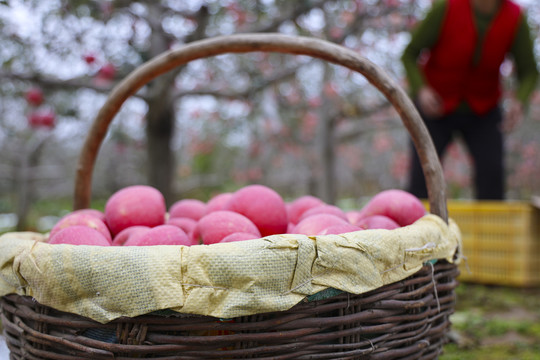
(494, 322)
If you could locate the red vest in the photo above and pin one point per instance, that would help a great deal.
(450, 69)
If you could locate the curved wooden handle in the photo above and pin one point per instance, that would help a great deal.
(266, 42)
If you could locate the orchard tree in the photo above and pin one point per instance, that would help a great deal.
(90, 45)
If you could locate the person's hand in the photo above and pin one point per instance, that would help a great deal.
(430, 102)
(512, 116)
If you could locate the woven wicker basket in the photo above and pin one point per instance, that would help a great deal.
(408, 319)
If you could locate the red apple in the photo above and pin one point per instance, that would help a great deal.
(34, 96)
(300, 205)
(160, 235)
(135, 205)
(132, 233)
(188, 208)
(84, 220)
(185, 224)
(238, 236)
(324, 209)
(42, 118)
(48, 119)
(89, 58)
(96, 213)
(401, 206)
(195, 235)
(79, 235)
(107, 72)
(290, 227)
(34, 119)
(314, 224)
(218, 202)
(340, 229)
(354, 216)
(263, 206)
(377, 222)
(212, 228)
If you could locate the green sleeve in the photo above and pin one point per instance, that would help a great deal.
(424, 36)
(524, 60)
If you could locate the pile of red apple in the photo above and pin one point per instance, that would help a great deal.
(137, 216)
(39, 117)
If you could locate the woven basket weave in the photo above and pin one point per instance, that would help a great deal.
(404, 320)
(408, 319)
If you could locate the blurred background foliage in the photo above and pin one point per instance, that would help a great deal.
(296, 124)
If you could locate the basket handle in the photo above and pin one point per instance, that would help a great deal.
(266, 42)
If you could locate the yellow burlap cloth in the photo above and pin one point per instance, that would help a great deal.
(221, 280)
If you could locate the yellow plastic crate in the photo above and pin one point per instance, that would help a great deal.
(501, 241)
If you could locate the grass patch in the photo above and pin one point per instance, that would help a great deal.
(495, 298)
(495, 323)
(478, 325)
(499, 352)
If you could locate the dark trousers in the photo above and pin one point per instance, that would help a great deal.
(484, 141)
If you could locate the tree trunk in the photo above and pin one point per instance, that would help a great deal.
(25, 184)
(23, 194)
(325, 146)
(159, 132)
(160, 116)
(161, 113)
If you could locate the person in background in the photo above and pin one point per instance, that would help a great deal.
(452, 63)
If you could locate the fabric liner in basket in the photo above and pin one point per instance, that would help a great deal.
(220, 280)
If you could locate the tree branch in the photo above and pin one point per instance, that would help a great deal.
(232, 95)
(56, 84)
(358, 128)
(298, 9)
